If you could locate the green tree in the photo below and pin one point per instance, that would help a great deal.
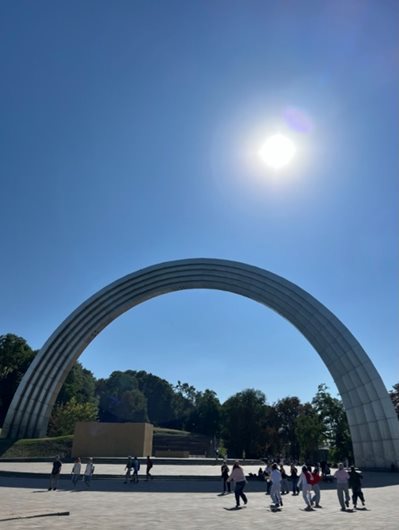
(271, 440)
(79, 384)
(287, 410)
(244, 417)
(206, 416)
(336, 432)
(394, 395)
(185, 396)
(309, 432)
(65, 415)
(120, 398)
(15, 357)
(160, 398)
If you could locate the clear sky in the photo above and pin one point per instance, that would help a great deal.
(129, 133)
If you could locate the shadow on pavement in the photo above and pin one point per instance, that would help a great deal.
(168, 485)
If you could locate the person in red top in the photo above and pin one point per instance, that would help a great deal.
(316, 478)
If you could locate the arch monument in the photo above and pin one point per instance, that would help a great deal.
(372, 419)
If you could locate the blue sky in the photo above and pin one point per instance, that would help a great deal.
(128, 136)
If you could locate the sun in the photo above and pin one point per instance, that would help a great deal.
(277, 151)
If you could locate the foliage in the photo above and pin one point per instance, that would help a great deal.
(79, 384)
(243, 419)
(287, 410)
(65, 416)
(120, 398)
(309, 432)
(206, 416)
(160, 398)
(15, 357)
(394, 395)
(335, 424)
(245, 422)
(184, 405)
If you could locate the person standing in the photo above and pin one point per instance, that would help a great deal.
(305, 481)
(149, 467)
(268, 471)
(316, 478)
(239, 480)
(342, 477)
(55, 473)
(225, 475)
(128, 469)
(284, 481)
(136, 468)
(275, 491)
(88, 472)
(76, 472)
(294, 479)
(355, 483)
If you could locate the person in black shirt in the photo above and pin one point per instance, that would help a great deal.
(55, 473)
(355, 483)
(225, 475)
(294, 479)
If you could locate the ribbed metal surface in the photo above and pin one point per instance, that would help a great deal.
(352, 370)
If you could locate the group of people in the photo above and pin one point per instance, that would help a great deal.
(308, 481)
(132, 469)
(75, 474)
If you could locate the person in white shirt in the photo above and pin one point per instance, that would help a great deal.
(88, 472)
(268, 470)
(342, 477)
(305, 481)
(275, 490)
(239, 480)
(76, 472)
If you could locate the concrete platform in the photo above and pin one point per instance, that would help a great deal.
(182, 504)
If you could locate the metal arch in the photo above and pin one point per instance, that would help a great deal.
(372, 419)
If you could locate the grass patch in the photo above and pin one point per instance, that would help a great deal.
(36, 447)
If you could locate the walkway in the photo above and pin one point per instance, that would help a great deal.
(191, 503)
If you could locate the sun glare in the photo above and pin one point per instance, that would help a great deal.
(277, 151)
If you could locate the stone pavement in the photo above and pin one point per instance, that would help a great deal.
(187, 504)
(211, 470)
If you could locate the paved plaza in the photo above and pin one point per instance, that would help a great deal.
(187, 497)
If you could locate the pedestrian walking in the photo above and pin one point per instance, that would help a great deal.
(136, 468)
(342, 477)
(294, 479)
(128, 469)
(225, 471)
(275, 490)
(284, 481)
(355, 483)
(240, 481)
(75, 474)
(149, 467)
(305, 481)
(316, 479)
(268, 471)
(88, 474)
(55, 473)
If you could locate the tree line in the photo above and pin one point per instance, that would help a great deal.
(245, 422)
